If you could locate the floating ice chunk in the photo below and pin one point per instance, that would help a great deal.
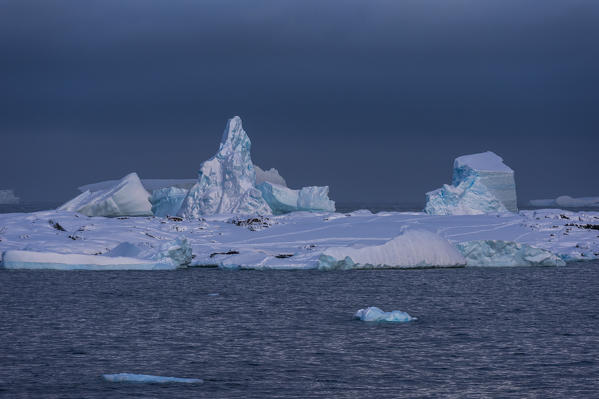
(167, 201)
(506, 253)
(127, 198)
(176, 252)
(14, 259)
(315, 198)
(127, 377)
(375, 314)
(481, 183)
(271, 175)
(226, 181)
(149, 184)
(8, 197)
(412, 248)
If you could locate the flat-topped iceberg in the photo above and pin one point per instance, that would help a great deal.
(284, 200)
(8, 197)
(167, 201)
(146, 378)
(412, 248)
(481, 183)
(375, 314)
(506, 253)
(226, 181)
(565, 201)
(126, 198)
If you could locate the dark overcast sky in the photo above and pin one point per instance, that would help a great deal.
(374, 98)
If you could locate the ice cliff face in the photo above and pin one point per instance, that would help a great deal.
(284, 200)
(481, 183)
(167, 201)
(127, 198)
(506, 253)
(226, 181)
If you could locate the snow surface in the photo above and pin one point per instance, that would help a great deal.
(271, 175)
(506, 253)
(167, 201)
(566, 201)
(8, 197)
(226, 182)
(295, 240)
(481, 183)
(375, 314)
(146, 378)
(149, 184)
(127, 198)
(412, 248)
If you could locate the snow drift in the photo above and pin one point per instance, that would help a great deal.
(412, 248)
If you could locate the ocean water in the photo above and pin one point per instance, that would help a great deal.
(481, 332)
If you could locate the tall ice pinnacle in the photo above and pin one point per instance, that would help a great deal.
(226, 181)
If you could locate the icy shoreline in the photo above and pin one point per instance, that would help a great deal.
(296, 240)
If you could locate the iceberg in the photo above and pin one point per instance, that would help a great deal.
(375, 314)
(565, 201)
(282, 200)
(481, 183)
(17, 259)
(226, 181)
(127, 377)
(167, 201)
(149, 184)
(506, 253)
(127, 198)
(412, 248)
(271, 175)
(8, 197)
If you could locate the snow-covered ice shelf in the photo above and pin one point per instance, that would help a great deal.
(296, 240)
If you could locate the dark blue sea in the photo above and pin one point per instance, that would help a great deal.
(481, 332)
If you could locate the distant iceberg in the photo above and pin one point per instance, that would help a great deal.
(481, 183)
(284, 200)
(7, 197)
(146, 378)
(412, 248)
(127, 198)
(149, 184)
(226, 182)
(271, 175)
(566, 201)
(506, 253)
(375, 314)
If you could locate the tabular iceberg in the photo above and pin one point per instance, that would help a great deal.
(8, 197)
(226, 181)
(375, 314)
(167, 201)
(284, 200)
(565, 201)
(127, 198)
(481, 183)
(506, 253)
(412, 248)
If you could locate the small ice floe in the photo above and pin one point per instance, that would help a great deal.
(156, 379)
(375, 314)
(214, 294)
